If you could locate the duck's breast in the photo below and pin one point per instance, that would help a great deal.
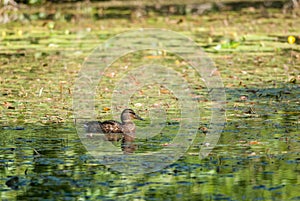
(129, 128)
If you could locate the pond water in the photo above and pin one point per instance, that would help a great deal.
(257, 156)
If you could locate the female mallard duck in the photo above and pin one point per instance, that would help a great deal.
(115, 130)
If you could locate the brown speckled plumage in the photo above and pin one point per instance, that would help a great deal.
(115, 130)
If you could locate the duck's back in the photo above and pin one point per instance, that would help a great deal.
(93, 127)
(112, 129)
(111, 126)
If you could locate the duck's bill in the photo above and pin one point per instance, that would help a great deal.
(139, 118)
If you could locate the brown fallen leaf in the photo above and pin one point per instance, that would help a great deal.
(254, 142)
(106, 109)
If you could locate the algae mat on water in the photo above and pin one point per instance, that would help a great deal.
(257, 157)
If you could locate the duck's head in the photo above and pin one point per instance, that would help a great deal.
(129, 114)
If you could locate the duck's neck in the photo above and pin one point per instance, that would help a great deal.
(129, 126)
(125, 118)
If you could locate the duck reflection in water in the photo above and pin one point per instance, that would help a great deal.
(116, 131)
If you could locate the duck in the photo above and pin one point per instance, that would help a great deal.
(114, 130)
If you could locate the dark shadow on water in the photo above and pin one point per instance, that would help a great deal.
(50, 162)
